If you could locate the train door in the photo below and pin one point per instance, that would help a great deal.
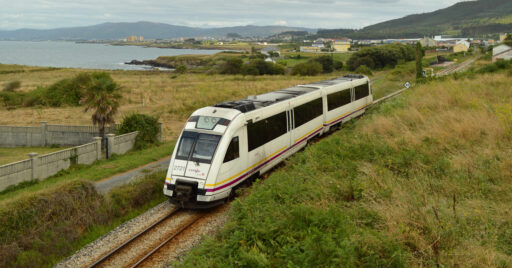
(291, 124)
(235, 158)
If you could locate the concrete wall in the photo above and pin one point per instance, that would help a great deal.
(44, 166)
(46, 135)
(15, 173)
(11, 136)
(122, 143)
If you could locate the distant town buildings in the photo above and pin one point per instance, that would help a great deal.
(311, 49)
(502, 37)
(319, 43)
(135, 38)
(428, 42)
(461, 46)
(267, 50)
(342, 45)
(501, 52)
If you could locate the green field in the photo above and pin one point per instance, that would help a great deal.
(423, 180)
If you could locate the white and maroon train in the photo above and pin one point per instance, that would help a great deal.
(228, 143)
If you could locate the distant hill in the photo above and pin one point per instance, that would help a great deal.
(150, 30)
(472, 18)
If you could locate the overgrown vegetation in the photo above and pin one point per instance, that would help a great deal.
(147, 126)
(307, 68)
(65, 92)
(12, 86)
(256, 66)
(421, 180)
(378, 57)
(40, 230)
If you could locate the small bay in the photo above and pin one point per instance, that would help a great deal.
(79, 55)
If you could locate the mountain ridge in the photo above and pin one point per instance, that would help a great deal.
(470, 18)
(150, 30)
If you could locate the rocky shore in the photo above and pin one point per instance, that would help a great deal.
(152, 63)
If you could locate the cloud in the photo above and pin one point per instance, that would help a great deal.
(306, 13)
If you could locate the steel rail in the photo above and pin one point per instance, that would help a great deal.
(124, 244)
(171, 237)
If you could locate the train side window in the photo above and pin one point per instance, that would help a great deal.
(233, 151)
(265, 130)
(362, 91)
(307, 112)
(338, 99)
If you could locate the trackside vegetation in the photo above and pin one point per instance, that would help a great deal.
(37, 231)
(147, 126)
(422, 180)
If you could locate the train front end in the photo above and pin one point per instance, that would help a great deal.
(194, 162)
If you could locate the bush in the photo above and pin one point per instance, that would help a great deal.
(307, 68)
(327, 63)
(12, 86)
(364, 70)
(249, 70)
(231, 66)
(262, 67)
(494, 67)
(338, 65)
(147, 126)
(63, 92)
(181, 69)
(381, 56)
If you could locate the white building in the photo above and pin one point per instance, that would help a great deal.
(501, 52)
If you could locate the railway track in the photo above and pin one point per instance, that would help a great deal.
(140, 248)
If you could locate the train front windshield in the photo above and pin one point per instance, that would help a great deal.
(198, 147)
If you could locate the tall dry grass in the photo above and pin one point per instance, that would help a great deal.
(452, 205)
(173, 98)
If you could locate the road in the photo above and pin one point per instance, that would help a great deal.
(105, 185)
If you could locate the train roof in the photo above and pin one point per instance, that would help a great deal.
(263, 100)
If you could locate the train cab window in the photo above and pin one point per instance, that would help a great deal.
(307, 112)
(362, 91)
(185, 146)
(205, 147)
(338, 99)
(233, 151)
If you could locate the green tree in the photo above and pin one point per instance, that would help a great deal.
(419, 61)
(327, 63)
(232, 65)
(102, 96)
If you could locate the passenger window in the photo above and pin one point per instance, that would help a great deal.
(362, 91)
(233, 151)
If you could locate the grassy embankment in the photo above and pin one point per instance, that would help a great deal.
(422, 180)
(99, 170)
(40, 230)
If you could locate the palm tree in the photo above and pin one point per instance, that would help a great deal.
(102, 96)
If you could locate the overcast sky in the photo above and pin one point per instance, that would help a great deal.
(45, 14)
